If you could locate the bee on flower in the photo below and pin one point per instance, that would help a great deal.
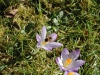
(47, 42)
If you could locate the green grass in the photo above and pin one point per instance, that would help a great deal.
(77, 26)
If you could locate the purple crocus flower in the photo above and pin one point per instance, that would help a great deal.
(68, 62)
(70, 73)
(47, 42)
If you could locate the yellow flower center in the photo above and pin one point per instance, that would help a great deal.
(67, 62)
(43, 43)
(71, 73)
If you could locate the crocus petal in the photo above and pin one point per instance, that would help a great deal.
(59, 61)
(70, 73)
(64, 53)
(54, 44)
(47, 48)
(75, 64)
(66, 73)
(75, 54)
(60, 64)
(67, 56)
(38, 45)
(43, 33)
(38, 38)
(53, 36)
(75, 69)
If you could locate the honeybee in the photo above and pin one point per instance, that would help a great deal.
(48, 39)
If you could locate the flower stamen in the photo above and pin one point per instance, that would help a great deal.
(67, 62)
(71, 73)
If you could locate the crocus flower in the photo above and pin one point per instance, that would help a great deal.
(70, 73)
(68, 62)
(47, 42)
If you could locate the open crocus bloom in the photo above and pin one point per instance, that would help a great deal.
(68, 61)
(70, 73)
(47, 42)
